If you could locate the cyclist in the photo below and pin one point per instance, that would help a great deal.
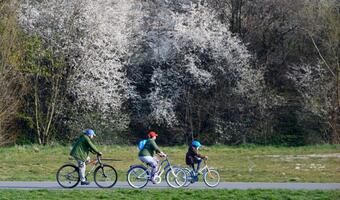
(193, 156)
(80, 152)
(148, 151)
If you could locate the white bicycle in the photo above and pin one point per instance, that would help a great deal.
(138, 176)
(211, 177)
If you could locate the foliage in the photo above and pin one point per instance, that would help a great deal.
(289, 33)
(232, 72)
(12, 83)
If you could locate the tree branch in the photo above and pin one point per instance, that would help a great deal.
(323, 59)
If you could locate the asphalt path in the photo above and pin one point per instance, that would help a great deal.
(199, 185)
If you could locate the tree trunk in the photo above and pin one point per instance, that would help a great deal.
(52, 108)
(235, 22)
(188, 116)
(335, 120)
(36, 104)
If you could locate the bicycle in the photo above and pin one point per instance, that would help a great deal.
(138, 176)
(105, 176)
(211, 177)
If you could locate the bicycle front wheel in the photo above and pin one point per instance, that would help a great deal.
(189, 177)
(105, 176)
(138, 177)
(68, 176)
(176, 177)
(211, 178)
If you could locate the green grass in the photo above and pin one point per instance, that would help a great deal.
(249, 163)
(171, 194)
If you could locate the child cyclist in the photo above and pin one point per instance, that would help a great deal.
(193, 156)
(148, 151)
(80, 152)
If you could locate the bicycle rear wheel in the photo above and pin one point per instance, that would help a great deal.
(68, 176)
(211, 178)
(138, 177)
(105, 176)
(176, 177)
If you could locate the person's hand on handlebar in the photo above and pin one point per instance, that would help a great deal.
(99, 154)
(161, 154)
(205, 158)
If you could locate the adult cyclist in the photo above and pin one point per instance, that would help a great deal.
(146, 155)
(80, 152)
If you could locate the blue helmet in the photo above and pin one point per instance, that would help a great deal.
(89, 132)
(196, 143)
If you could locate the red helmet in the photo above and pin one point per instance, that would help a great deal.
(152, 134)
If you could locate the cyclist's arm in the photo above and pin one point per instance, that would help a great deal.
(155, 147)
(196, 154)
(93, 148)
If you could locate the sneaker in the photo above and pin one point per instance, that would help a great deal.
(84, 183)
(153, 180)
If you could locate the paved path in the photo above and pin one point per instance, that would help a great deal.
(163, 185)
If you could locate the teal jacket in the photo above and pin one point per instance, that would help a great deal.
(149, 149)
(82, 147)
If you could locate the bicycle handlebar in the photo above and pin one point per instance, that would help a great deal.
(205, 160)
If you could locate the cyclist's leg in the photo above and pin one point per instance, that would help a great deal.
(151, 161)
(156, 159)
(198, 161)
(189, 160)
(193, 166)
(82, 168)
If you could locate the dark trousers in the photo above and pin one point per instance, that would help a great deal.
(192, 161)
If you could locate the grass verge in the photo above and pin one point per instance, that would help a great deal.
(249, 164)
(171, 194)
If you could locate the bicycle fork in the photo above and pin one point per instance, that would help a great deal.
(172, 171)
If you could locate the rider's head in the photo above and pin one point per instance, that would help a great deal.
(152, 135)
(90, 133)
(196, 144)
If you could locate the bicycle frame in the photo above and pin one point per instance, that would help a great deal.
(94, 163)
(205, 167)
(105, 176)
(165, 168)
(138, 176)
(162, 167)
(206, 172)
(202, 169)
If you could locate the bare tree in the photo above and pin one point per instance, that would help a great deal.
(319, 83)
(11, 83)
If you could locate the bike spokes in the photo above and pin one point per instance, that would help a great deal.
(137, 177)
(211, 177)
(105, 176)
(68, 176)
(176, 177)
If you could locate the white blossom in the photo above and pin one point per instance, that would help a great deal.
(314, 85)
(109, 43)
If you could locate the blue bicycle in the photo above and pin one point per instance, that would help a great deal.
(138, 176)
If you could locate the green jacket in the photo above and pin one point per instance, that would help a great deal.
(149, 149)
(82, 147)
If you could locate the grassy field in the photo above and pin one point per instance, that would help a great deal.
(171, 194)
(251, 164)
